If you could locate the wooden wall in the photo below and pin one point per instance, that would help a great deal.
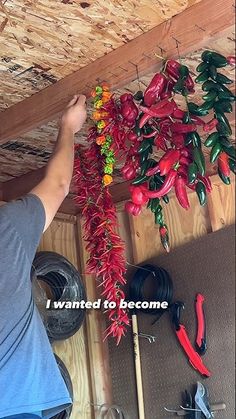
(85, 354)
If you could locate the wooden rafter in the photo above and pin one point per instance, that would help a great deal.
(190, 30)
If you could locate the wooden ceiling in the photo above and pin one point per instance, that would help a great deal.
(43, 41)
(63, 37)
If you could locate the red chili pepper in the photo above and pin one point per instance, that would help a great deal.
(151, 134)
(178, 140)
(168, 161)
(137, 195)
(126, 97)
(209, 126)
(166, 95)
(165, 188)
(144, 119)
(132, 208)
(223, 163)
(181, 192)
(153, 170)
(160, 142)
(185, 152)
(156, 110)
(172, 69)
(178, 114)
(185, 160)
(231, 60)
(129, 111)
(207, 182)
(196, 120)
(154, 90)
(132, 136)
(128, 172)
(182, 170)
(182, 128)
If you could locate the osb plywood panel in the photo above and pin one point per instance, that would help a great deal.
(43, 41)
(61, 238)
(32, 150)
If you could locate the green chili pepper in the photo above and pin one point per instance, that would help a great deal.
(201, 192)
(178, 87)
(201, 78)
(225, 142)
(226, 90)
(159, 179)
(140, 179)
(146, 165)
(194, 109)
(224, 178)
(186, 119)
(223, 106)
(227, 96)
(224, 125)
(211, 85)
(183, 72)
(213, 71)
(195, 139)
(210, 96)
(230, 151)
(159, 218)
(212, 139)
(199, 159)
(206, 106)
(218, 60)
(155, 205)
(138, 95)
(206, 56)
(192, 172)
(221, 78)
(145, 145)
(215, 152)
(202, 67)
(232, 165)
(144, 156)
(188, 139)
(166, 199)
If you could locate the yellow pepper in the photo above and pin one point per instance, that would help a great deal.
(98, 104)
(107, 179)
(101, 124)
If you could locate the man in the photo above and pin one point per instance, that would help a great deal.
(31, 385)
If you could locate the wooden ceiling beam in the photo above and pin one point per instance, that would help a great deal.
(190, 29)
(15, 188)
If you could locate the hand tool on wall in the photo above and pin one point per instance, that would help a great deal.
(197, 406)
(164, 292)
(201, 345)
(181, 333)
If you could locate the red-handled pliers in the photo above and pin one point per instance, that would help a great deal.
(200, 343)
(193, 357)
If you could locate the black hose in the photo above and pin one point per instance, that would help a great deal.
(163, 288)
(64, 284)
(65, 414)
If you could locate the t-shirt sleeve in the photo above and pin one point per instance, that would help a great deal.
(27, 216)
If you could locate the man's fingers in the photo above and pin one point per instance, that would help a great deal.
(81, 100)
(73, 101)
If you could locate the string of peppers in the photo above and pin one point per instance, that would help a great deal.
(162, 124)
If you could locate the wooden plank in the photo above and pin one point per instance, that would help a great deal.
(184, 226)
(192, 28)
(60, 238)
(95, 321)
(221, 204)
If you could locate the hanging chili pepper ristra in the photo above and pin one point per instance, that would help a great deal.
(134, 130)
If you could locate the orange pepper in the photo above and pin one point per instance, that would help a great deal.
(105, 87)
(107, 179)
(93, 93)
(101, 140)
(106, 96)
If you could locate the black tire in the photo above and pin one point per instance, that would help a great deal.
(65, 414)
(64, 283)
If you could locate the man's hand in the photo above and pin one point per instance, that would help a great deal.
(75, 114)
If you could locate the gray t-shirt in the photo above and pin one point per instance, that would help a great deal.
(30, 381)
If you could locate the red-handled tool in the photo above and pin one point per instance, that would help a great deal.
(200, 344)
(193, 356)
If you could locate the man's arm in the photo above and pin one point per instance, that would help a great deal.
(55, 185)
